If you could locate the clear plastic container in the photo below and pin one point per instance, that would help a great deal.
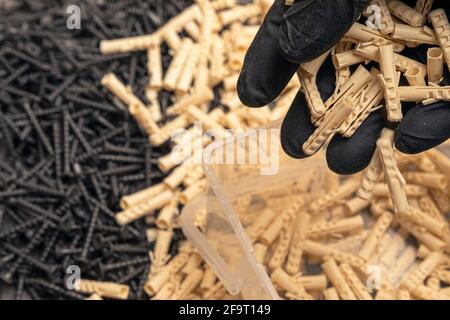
(238, 194)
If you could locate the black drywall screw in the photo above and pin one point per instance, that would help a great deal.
(65, 52)
(61, 252)
(90, 232)
(49, 246)
(79, 135)
(148, 167)
(15, 216)
(125, 150)
(57, 143)
(33, 293)
(39, 167)
(118, 158)
(86, 156)
(113, 181)
(26, 225)
(37, 63)
(84, 193)
(133, 274)
(101, 206)
(142, 281)
(20, 288)
(133, 177)
(120, 248)
(6, 258)
(72, 245)
(102, 120)
(99, 241)
(6, 134)
(107, 136)
(2, 213)
(22, 93)
(6, 63)
(114, 170)
(56, 289)
(99, 22)
(62, 87)
(97, 188)
(104, 268)
(3, 164)
(38, 113)
(94, 104)
(35, 240)
(15, 74)
(72, 201)
(12, 126)
(66, 142)
(74, 150)
(49, 269)
(38, 128)
(95, 32)
(132, 72)
(13, 193)
(34, 208)
(41, 189)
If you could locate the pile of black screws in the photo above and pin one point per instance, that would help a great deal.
(68, 152)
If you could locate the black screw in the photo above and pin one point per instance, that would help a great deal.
(92, 104)
(35, 209)
(57, 143)
(26, 225)
(2, 213)
(120, 248)
(48, 269)
(119, 158)
(142, 281)
(51, 287)
(79, 135)
(114, 170)
(6, 134)
(38, 128)
(37, 238)
(66, 142)
(133, 274)
(37, 63)
(41, 189)
(90, 232)
(49, 246)
(148, 154)
(61, 88)
(97, 188)
(104, 268)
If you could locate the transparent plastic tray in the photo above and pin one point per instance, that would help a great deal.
(237, 195)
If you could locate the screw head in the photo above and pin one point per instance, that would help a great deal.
(7, 277)
(6, 259)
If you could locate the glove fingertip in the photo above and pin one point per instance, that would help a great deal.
(347, 156)
(423, 128)
(293, 151)
(404, 144)
(343, 165)
(414, 145)
(296, 128)
(249, 95)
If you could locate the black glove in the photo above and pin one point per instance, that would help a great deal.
(293, 35)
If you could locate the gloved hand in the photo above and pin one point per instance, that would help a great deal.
(293, 35)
